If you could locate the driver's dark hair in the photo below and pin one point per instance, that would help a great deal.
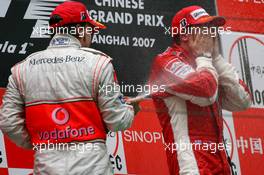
(54, 19)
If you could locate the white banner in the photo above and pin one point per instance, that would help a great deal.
(246, 52)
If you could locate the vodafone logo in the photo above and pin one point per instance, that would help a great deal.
(58, 120)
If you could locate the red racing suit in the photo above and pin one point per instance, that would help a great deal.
(190, 109)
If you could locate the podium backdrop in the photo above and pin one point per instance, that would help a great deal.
(136, 33)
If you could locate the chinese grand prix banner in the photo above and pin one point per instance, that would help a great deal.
(135, 34)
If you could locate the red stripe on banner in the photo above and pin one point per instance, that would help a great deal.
(248, 16)
(143, 145)
(250, 140)
(18, 157)
(4, 171)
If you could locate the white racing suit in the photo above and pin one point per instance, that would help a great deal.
(59, 96)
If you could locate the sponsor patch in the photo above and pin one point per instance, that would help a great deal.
(179, 69)
(183, 22)
(83, 16)
(60, 41)
(196, 14)
(122, 99)
(56, 60)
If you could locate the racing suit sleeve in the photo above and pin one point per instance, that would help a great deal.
(235, 94)
(198, 85)
(116, 114)
(12, 118)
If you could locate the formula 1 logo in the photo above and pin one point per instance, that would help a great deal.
(40, 10)
(56, 116)
(4, 8)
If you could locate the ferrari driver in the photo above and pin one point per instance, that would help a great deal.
(56, 96)
(199, 84)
